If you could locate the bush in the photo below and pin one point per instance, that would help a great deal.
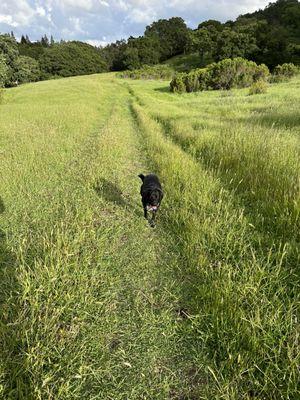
(236, 73)
(148, 72)
(284, 72)
(226, 74)
(258, 87)
(177, 84)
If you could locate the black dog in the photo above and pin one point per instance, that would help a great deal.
(152, 194)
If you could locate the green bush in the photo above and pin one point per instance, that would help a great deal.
(177, 84)
(226, 74)
(236, 73)
(258, 87)
(148, 72)
(284, 72)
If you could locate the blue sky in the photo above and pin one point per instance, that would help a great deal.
(102, 21)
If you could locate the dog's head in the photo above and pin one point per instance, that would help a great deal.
(154, 200)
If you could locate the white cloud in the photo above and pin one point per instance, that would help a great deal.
(77, 25)
(91, 20)
(8, 20)
(142, 16)
(96, 42)
(41, 11)
(16, 12)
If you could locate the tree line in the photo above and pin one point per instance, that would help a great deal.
(270, 36)
(28, 61)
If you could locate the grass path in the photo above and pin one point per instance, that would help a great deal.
(89, 295)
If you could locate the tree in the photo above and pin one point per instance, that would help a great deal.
(172, 35)
(231, 44)
(71, 58)
(9, 52)
(3, 70)
(45, 41)
(131, 58)
(23, 40)
(203, 42)
(211, 24)
(27, 70)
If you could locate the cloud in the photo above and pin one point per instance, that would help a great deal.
(16, 12)
(97, 43)
(91, 20)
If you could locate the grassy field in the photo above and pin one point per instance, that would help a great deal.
(97, 305)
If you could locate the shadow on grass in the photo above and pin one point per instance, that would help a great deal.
(111, 193)
(165, 89)
(2, 207)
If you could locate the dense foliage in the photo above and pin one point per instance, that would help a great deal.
(149, 72)
(27, 70)
(29, 62)
(284, 72)
(258, 87)
(3, 70)
(270, 36)
(8, 59)
(226, 74)
(71, 58)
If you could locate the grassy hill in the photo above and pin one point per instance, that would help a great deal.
(184, 62)
(97, 305)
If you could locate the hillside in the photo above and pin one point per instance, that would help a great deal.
(95, 304)
(184, 62)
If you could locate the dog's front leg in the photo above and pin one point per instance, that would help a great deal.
(145, 212)
(152, 220)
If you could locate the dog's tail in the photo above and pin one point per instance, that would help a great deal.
(142, 177)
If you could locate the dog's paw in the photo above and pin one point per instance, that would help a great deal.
(152, 224)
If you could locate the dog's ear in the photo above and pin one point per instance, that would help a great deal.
(142, 177)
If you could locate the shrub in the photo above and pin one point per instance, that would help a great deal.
(191, 82)
(261, 73)
(258, 87)
(177, 84)
(148, 72)
(236, 73)
(284, 72)
(226, 74)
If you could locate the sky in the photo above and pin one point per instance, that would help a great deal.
(99, 22)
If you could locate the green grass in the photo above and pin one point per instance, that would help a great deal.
(97, 305)
(184, 62)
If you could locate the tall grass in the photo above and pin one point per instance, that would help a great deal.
(97, 305)
(243, 277)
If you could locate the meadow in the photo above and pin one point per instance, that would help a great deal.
(95, 304)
